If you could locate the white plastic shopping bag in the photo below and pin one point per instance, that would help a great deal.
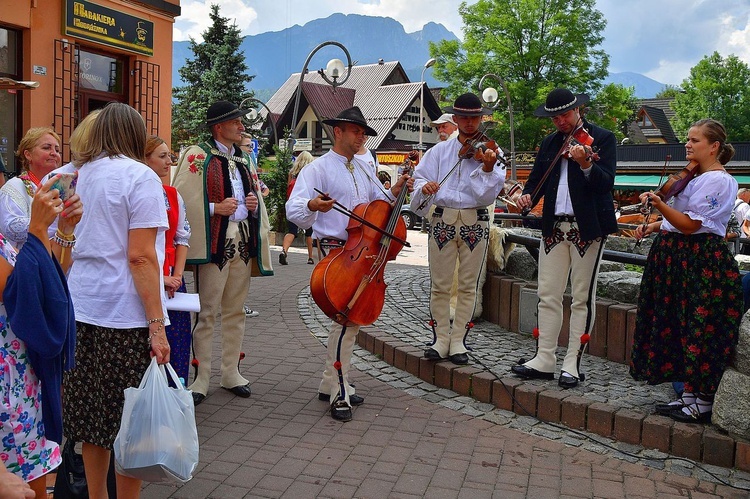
(158, 439)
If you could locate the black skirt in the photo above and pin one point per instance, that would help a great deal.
(689, 312)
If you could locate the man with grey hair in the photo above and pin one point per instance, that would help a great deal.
(446, 127)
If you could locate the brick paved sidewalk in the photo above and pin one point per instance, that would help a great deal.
(281, 442)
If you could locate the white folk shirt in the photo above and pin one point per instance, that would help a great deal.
(238, 190)
(708, 198)
(563, 203)
(118, 195)
(330, 175)
(467, 187)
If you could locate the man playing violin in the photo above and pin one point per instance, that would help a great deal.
(349, 182)
(460, 177)
(577, 216)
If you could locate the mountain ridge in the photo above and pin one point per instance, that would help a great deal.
(274, 55)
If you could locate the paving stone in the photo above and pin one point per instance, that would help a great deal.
(408, 423)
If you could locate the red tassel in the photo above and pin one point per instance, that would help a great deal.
(470, 325)
(337, 365)
(585, 339)
(535, 333)
(432, 323)
(194, 362)
(242, 355)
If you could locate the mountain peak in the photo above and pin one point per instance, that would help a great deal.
(645, 87)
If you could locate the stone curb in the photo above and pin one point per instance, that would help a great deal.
(699, 443)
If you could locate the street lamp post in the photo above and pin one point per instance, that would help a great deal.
(334, 69)
(491, 98)
(427, 64)
(252, 115)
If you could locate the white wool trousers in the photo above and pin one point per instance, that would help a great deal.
(561, 256)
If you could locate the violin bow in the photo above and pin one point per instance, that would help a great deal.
(346, 211)
(566, 143)
(426, 200)
(648, 209)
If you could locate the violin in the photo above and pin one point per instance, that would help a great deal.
(476, 146)
(674, 185)
(677, 182)
(581, 137)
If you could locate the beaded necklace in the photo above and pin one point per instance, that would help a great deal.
(30, 182)
(232, 160)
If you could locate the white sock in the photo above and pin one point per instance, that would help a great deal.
(687, 398)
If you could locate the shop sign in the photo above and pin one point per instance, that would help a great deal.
(391, 158)
(303, 144)
(93, 22)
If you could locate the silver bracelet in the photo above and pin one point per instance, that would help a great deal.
(62, 242)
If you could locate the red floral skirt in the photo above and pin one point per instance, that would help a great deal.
(689, 312)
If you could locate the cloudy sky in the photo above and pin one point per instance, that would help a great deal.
(661, 39)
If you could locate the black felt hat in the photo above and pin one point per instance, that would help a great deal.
(221, 111)
(559, 101)
(467, 105)
(352, 115)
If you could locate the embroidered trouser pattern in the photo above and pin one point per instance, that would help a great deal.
(562, 255)
(449, 245)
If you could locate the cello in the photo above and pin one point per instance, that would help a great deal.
(348, 283)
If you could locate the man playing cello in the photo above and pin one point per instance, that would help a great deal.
(348, 182)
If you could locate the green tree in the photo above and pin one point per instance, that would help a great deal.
(276, 179)
(535, 46)
(668, 92)
(218, 72)
(614, 108)
(716, 88)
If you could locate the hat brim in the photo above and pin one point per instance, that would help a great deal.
(464, 112)
(542, 112)
(237, 113)
(334, 121)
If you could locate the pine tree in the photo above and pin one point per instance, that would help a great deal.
(218, 72)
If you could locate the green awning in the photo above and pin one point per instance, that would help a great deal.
(743, 180)
(637, 181)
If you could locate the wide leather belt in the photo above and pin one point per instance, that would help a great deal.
(480, 211)
(565, 218)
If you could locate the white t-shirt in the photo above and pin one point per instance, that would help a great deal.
(118, 195)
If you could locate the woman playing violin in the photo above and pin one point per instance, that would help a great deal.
(460, 177)
(690, 302)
